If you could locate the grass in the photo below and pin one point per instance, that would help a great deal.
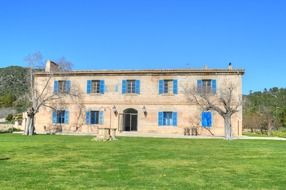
(76, 162)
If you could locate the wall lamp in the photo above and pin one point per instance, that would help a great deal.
(114, 110)
(144, 110)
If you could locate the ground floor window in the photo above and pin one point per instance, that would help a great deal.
(167, 118)
(60, 116)
(94, 117)
(207, 119)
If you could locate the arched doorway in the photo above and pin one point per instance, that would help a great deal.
(130, 119)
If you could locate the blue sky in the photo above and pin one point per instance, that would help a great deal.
(140, 34)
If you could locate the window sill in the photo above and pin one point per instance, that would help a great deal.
(131, 94)
(207, 94)
(61, 93)
(167, 94)
(95, 94)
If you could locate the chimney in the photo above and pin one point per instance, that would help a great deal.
(205, 67)
(229, 66)
(51, 66)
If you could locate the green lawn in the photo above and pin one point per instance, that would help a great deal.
(75, 162)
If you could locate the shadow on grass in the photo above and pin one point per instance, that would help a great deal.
(5, 158)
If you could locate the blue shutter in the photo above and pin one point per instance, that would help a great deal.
(175, 86)
(160, 118)
(161, 86)
(124, 86)
(101, 83)
(68, 86)
(209, 119)
(137, 86)
(199, 85)
(56, 87)
(174, 117)
(66, 116)
(101, 117)
(88, 87)
(54, 116)
(87, 117)
(214, 86)
(206, 119)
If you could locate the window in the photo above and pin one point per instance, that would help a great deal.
(60, 116)
(167, 118)
(206, 119)
(206, 86)
(94, 117)
(62, 86)
(95, 87)
(168, 87)
(131, 87)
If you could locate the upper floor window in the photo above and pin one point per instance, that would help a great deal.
(95, 86)
(94, 117)
(168, 87)
(62, 86)
(131, 87)
(60, 116)
(206, 86)
(167, 118)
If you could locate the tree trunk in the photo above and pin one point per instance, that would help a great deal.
(27, 126)
(30, 124)
(269, 127)
(227, 127)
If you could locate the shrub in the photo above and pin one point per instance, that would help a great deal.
(275, 133)
(9, 118)
(9, 130)
(279, 133)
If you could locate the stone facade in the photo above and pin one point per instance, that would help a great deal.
(86, 112)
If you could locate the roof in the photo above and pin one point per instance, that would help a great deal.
(147, 72)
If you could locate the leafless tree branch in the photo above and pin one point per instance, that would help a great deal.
(223, 102)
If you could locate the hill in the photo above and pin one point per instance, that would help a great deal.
(14, 84)
(265, 110)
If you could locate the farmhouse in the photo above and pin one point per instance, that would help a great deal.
(139, 101)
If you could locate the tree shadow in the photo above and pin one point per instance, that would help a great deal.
(5, 158)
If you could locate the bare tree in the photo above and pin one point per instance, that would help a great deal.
(76, 96)
(225, 102)
(80, 111)
(40, 96)
(64, 64)
(253, 121)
